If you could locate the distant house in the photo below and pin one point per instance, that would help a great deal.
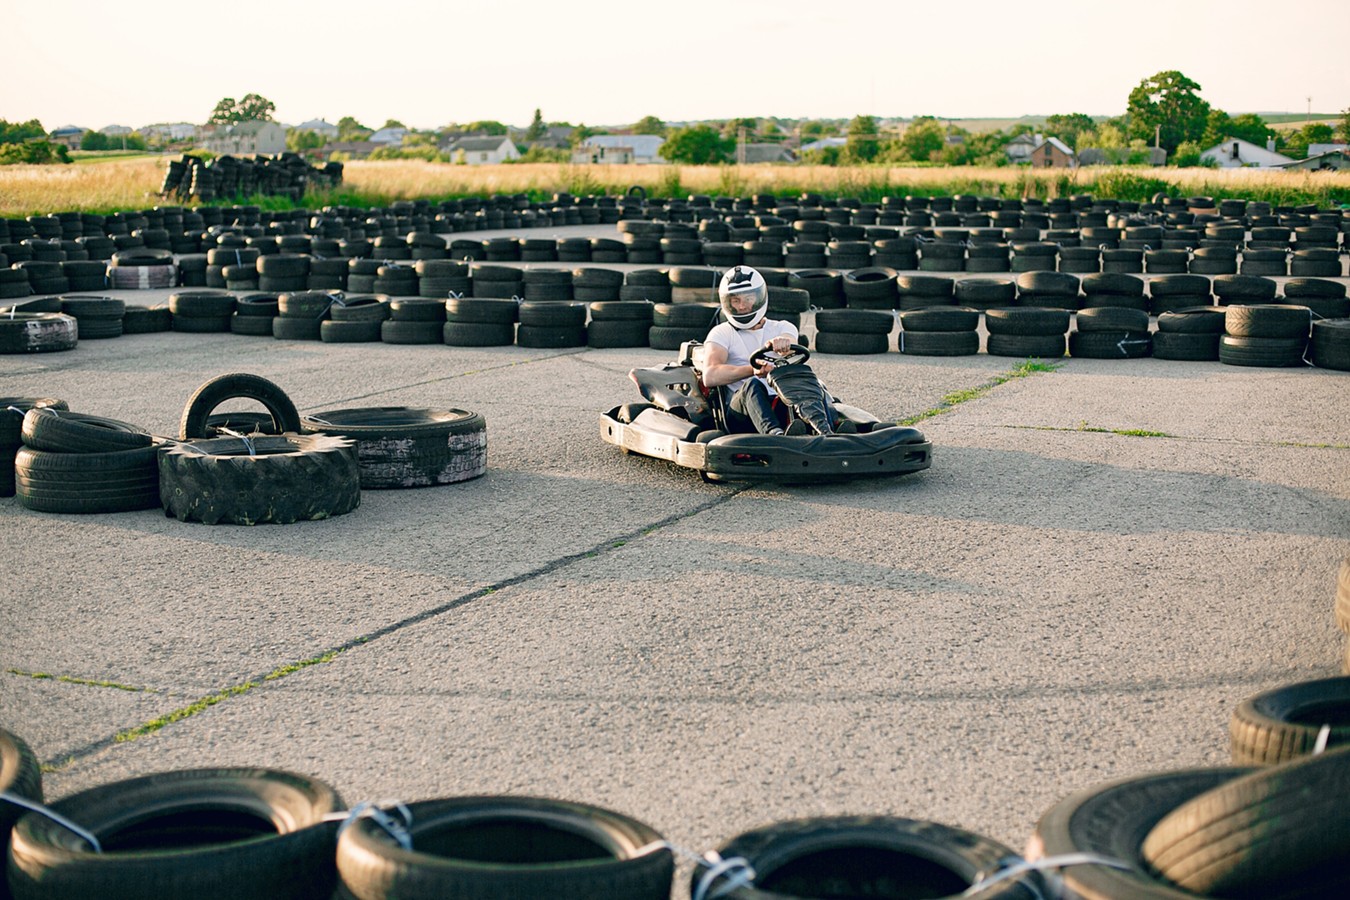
(171, 131)
(1020, 148)
(319, 126)
(69, 135)
(482, 151)
(1331, 160)
(765, 153)
(352, 149)
(823, 143)
(245, 138)
(1235, 153)
(1052, 153)
(1319, 149)
(115, 130)
(620, 148)
(388, 136)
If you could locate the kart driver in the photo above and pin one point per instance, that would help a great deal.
(745, 301)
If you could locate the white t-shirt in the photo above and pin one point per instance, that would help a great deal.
(741, 345)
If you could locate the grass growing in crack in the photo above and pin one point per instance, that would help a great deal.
(211, 700)
(955, 398)
(89, 682)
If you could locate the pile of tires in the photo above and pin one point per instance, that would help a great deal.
(675, 323)
(1047, 289)
(1265, 334)
(939, 331)
(37, 332)
(354, 320)
(619, 323)
(1330, 344)
(501, 282)
(1027, 331)
(138, 319)
(923, 291)
(1113, 289)
(872, 287)
(279, 475)
(1189, 334)
(20, 776)
(853, 331)
(1173, 292)
(414, 320)
(95, 317)
(141, 268)
(551, 325)
(984, 293)
(202, 312)
(1110, 332)
(78, 463)
(12, 411)
(479, 322)
(402, 447)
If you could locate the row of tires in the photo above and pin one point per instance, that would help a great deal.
(1273, 824)
(239, 467)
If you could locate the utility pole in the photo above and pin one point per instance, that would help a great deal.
(1157, 136)
(740, 146)
(1310, 109)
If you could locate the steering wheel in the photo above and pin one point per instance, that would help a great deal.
(796, 356)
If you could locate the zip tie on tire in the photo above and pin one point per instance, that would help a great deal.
(371, 810)
(1014, 867)
(1323, 735)
(54, 816)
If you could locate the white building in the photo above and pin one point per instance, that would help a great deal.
(319, 126)
(388, 136)
(483, 151)
(1235, 153)
(620, 148)
(171, 131)
(245, 139)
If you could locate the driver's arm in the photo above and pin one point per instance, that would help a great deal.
(719, 372)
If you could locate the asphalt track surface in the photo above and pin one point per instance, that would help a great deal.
(1054, 604)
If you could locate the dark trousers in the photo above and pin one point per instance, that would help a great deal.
(752, 402)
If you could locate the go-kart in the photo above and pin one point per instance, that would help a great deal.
(684, 421)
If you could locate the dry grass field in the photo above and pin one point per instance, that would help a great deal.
(132, 184)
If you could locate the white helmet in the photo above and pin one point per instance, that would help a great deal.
(739, 283)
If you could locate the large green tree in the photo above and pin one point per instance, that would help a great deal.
(1296, 143)
(698, 145)
(649, 125)
(1166, 106)
(537, 127)
(486, 126)
(1343, 127)
(1248, 127)
(923, 140)
(299, 140)
(18, 132)
(1068, 126)
(253, 108)
(864, 139)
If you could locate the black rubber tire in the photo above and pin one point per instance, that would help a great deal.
(867, 856)
(360, 309)
(241, 421)
(334, 332)
(685, 315)
(12, 411)
(117, 481)
(306, 304)
(1113, 283)
(485, 848)
(1111, 318)
(202, 324)
(1110, 344)
(146, 319)
(1026, 321)
(985, 293)
(1112, 820)
(941, 318)
(1243, 289)
(228, 834)
(478, 334)
(481, 311)
(416, 309)
(1278, 833)
(21, 776)
(93, 307)
(282, 479)
(37, 332)
(1048, 284)
(852, 343)
(547, 314)
(551, 337)
(606, 333)
(924, 286)
(255, 326)
(661, 337)
(1282, 724)
(202, 304)
(1267, 320)
(938, 343)
(1040, 346)
(621, 311)
(855, 321)
(63, 431)
(1330, 344)
(292, 328)
(1261, 352)
(402, 447)
(1193, 320)
(392, 332)
(1180, 345)
(236, 386)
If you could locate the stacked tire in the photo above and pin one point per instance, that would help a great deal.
(501, 282)
(872, 287)
(414, 320)
(202, 312)
(551, 325)
(354, 320)
(78, 463)
(300, 314)
(853, 331)
(12, 411)
(1111, 332)
(939, 331)
(96, 317)
(1330, 344)
(923, 291)
(675, 323)
(1113, 289)
(619, 323)
(1267, 335)
(1189, 334)
(37, 332)
(1027, 331)
(1173, 292)
(479, 322)
(652, 285)
(1047, 289)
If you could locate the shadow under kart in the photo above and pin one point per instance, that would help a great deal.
(685, 422)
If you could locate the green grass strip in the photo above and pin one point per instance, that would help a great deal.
(955, 398)
(211, 700)
(1093, 429)
(67, 679)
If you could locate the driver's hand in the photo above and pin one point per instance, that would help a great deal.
(780, 344)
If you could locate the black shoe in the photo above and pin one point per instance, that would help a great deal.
(798, 427)
(846, 426)
(776, 432)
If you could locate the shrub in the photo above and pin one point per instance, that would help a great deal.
(33, 153)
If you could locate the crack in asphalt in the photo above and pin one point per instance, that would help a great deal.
(610, 544)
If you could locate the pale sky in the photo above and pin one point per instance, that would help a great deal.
(602, 62)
